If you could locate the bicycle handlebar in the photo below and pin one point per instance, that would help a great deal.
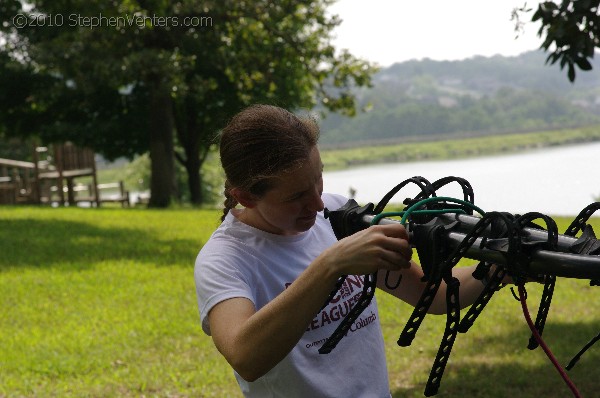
(562, 262)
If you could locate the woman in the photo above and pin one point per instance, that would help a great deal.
(264, 274)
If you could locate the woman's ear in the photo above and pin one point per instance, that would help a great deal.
(244, 197)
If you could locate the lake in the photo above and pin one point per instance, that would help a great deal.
(554, 181)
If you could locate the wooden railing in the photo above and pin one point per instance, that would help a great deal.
(17, 182)
(28, 182)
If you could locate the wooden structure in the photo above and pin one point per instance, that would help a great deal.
(17, 182)
(54, 178)
(111, 192)
(114, 192)
(68, 163)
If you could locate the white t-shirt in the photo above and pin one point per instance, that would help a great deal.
(242, 261)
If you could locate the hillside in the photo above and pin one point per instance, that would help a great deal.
(418, 100)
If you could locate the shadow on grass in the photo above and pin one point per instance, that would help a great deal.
(76, 245)
(471, 373)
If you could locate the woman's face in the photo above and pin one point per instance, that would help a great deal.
(291, 206)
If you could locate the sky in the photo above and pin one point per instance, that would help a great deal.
(389, 31)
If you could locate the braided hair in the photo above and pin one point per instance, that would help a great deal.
(259, 143)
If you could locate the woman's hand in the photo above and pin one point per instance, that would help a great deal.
(241, 333)
(374, 248)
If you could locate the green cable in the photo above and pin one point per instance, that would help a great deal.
(414, 207)
(378, 217)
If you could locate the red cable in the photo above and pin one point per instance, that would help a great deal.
(563, 374)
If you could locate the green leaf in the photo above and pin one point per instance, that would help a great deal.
(583, 64)
(571, 73)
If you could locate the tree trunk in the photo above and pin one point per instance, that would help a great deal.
(162, 180)
(188, 129)
(193, 170)
(195, 182)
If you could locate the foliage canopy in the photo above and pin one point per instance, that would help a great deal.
(133, 76)
(163, 77)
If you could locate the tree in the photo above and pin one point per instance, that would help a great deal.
(571, 31)
(146, 75)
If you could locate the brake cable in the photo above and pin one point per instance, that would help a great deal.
(540, 341)
(549, 281)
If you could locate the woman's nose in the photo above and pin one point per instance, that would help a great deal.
(317, 202)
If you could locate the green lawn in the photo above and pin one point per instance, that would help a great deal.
(101, 303)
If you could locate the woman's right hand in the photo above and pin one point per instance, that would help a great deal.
(377, 247)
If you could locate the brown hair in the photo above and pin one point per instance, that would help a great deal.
(259, 143)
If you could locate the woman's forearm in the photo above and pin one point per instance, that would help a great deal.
(263, 339)
(255, 341)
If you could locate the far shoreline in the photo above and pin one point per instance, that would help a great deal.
(455, 147)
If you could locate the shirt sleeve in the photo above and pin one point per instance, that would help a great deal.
(334, 201)
(219, 275)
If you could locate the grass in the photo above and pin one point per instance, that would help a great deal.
(101, 303)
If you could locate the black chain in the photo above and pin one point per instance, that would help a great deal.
(338, 285)
(412, 325)
(577, 225)
(370, 283)
(450, 331)
(543, 310)
(492, 286)
(433, 276)
(426, 187)
(468, 194)
(584, 215)
(549, 280)
(452, 294)
(510, 242)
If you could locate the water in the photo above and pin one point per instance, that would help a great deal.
(553, 181)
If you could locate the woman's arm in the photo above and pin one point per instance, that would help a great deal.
(411, 287)
(253, 341)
